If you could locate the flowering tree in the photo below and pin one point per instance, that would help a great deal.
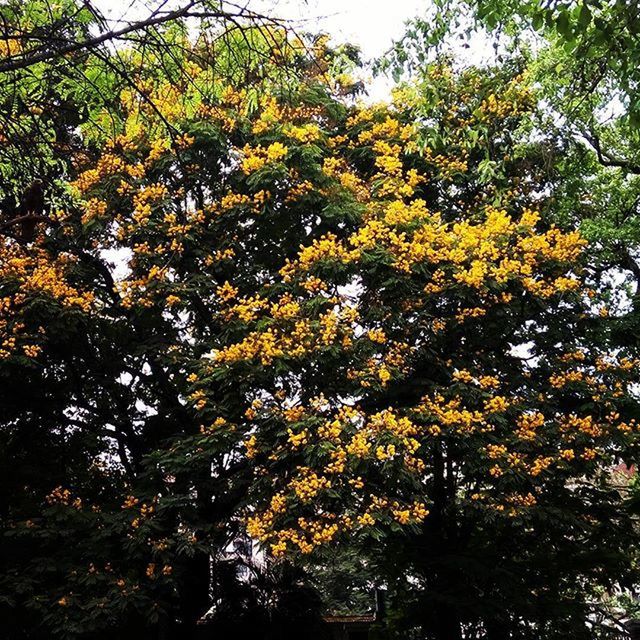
(104, 308)
(432, 376)
(273, 310)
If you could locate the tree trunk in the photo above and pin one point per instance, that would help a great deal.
(196, 570)
(194, 595)
(447, 616)
(447, 623)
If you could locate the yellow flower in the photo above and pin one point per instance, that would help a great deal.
(250, 447)
(377, 335)
(276, 151)
(298, 439)
(366, 520)
(226, 292)
(278, 549)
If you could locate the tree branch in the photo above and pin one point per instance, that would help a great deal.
(30, 217)
(16, 63)
(607, 159)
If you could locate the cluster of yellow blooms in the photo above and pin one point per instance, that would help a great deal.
(515, 99)
(150, 571)
(144, 199)
(305, 133)
(33, 273)
(140, 291)
(307, 484)
(325, 527)
(145, 512)
(282, 341)
(484, 382)
(108, 165)
(63, 496)
(254, 158)
(348, 434)
(451, 414)
(93, 208)
(498, 250)
(528, 425)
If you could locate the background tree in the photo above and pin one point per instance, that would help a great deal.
(581, 56)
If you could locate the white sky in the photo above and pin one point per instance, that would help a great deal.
(373, 25)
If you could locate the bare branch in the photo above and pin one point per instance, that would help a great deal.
(15, 63)
(607, 159)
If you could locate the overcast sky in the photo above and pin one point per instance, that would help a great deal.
(373, 25)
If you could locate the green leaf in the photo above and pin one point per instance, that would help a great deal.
(491, 20)
(537, 20)
(584, 17)
(563, 25)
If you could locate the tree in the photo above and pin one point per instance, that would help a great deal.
(600, 35)
(432, 382)
(581, 57)
(268, 308)
(111, 523)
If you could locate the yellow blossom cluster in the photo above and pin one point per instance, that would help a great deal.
(484, 382)
(31, 272)
(307, 484)
(93, 208)
(288, 337)
(145, 512)
(350, 435)
(145, 198)
(498, 250)
(63, 496)
(223, 116)
(254, 158)
(130, 502)
(326, 248)
(108, 165)
(298, 439)
(312, 532)
(140, 291)
(450, 414)
(528, 425)
(516, 98)
(250, 446)
(305, 133)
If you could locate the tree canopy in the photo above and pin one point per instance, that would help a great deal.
(388, 345)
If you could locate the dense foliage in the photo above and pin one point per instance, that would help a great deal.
(370, 337)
